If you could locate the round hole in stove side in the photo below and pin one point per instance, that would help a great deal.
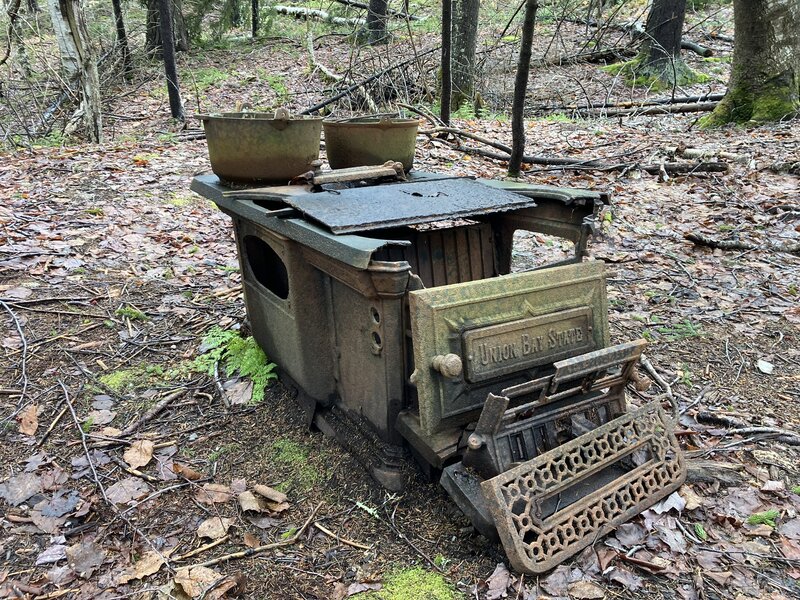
(266, 266)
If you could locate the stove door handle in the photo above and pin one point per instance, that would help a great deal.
(449, 365)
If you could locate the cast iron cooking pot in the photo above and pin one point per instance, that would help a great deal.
(365, 141)
(251, 147)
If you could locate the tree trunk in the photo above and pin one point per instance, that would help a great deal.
(180, 33)
(764, 83)
(16, 40)
(236, 13)
(254, 9)
(375, 26)
(660, 55)
(78, 61)
(122, 39)
(465, 39)
(447, 74)
(33, 7)
(168, 53)
(521, 89)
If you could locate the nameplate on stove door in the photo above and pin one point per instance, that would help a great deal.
(508, 347)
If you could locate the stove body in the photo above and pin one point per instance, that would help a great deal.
(393, 309)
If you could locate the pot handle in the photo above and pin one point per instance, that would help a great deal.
(282, 114)
(385, 121)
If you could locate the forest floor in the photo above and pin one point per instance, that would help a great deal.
(112, 273)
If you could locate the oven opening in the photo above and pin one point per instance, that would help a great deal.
(266, 266)
(534, 250)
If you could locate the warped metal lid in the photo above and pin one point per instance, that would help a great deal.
(383, 206)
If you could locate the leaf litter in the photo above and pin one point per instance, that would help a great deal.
(722, 328)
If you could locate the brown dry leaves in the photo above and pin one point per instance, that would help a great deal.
(139, 453)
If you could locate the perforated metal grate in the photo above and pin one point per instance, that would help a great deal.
(556, 504)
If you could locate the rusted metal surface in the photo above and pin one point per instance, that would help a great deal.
(370, 141)
(386, 206)
(453, 319)
(551, 507)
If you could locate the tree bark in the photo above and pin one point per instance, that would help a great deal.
(764, 84)
(447, 48)
(180, 32)
(236, 13)
(78, 61)
(254, 20)
(168, 52)
(122, 39)
(375, 27)
(521, 89)
(465, 39)
(660, 55)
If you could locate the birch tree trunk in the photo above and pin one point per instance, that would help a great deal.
(78, 61)
(764, 83)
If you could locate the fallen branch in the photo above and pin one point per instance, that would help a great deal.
(259, 549)
(161, 405)
(363, 82)
(645, 362)
(685, 152)
(595, 164)
(703, 240)
(299, 12)
(391, 12)
(202, 549)
(24, 360)
(739, 427)
(651, 110)
(318, 65)
(632, 104)
(703, 51)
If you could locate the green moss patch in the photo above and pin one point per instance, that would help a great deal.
(295, 457)
(415, 584)
(658, 76)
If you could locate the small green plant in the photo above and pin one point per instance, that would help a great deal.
(700, 531)
(86, 427)
(685, 376)
(679, 331)
(278, 85)
(764, 518)
(725, 227)
(239, 355)
(95, 211)
(222, 451)
(288, 533)
(134, 314)
(441, 562)
(414, 584)
(117, 381)
(557, 118)
(796, 490)
(208, 77)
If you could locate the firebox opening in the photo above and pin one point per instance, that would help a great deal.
(266, 266)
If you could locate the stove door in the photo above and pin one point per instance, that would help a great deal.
(483, 336)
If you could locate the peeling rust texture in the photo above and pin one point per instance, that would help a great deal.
(551, 507)
(382, 207)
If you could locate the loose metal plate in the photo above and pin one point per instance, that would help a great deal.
(499, 349)
(385, 206)
(443, 317)
(553, 506)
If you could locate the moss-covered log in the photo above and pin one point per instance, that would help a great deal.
(765, 74)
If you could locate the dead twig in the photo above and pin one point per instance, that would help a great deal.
(203, 548)
(24, 360)
(159, 406)
(703, 240)
(259, 549)
(645, 362)
(340, 539)
(51, 427)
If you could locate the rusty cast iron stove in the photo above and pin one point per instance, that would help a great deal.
(392, 307)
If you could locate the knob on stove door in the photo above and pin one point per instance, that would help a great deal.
(449, 365)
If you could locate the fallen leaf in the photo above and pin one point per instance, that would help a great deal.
(765, 367)
(790, 529)
(212, 493)
(19, 488)
(103, 402)
(673, 501)
(28, 420)
(240, 392)
(53, 554)
(625, 578)
(270, 493)
(586, 590)
(63, 502)
(773, 486)
(275, 507)
(358, 588)
(51, 525)
(18, 293)
(251, 541)
(790, 549)
(498, 582)
(215, 527)
(693, 501)
(85, 557)
(721, 577)
(127, 490)
(263, 522)
(139, 453)
(238, 485)
(630, 534)
(150, 563)
(193, 581)
(557, 582)
(186, 472)
(100, 417)
(249, 502)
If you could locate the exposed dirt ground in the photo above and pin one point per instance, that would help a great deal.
(109, 264)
